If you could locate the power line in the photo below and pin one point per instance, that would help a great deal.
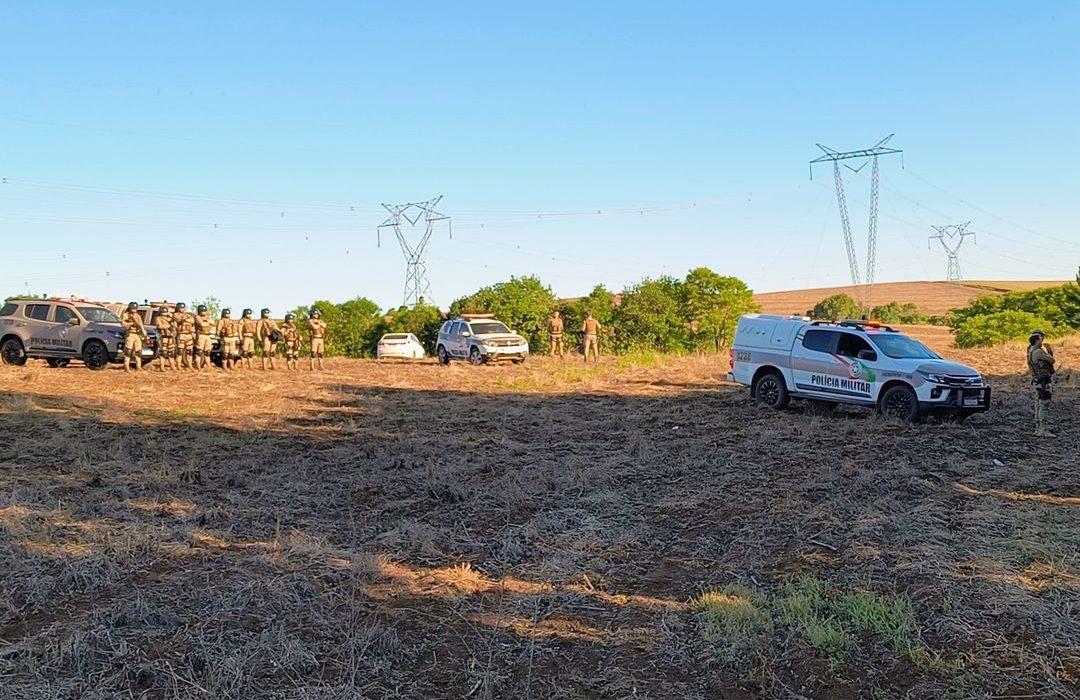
(417, 286)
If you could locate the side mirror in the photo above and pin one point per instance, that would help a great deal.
(465, 334)
(868, 355)
(73, 321)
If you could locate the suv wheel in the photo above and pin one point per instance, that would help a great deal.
(12, 353)
(57, 362)
(899, 402)
(475, 357)
(95, 355)
(770, 391)
(444, 357)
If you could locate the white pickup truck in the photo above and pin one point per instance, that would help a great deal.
(851, 362)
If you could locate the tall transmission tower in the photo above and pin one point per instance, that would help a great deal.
(417, 287)
(865, 154)
(951, 237)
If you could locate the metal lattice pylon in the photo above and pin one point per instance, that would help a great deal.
(872, 153)
(951, 237)
(417, 287)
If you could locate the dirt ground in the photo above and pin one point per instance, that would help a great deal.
(637, 529)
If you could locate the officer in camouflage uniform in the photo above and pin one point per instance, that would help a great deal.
(555, 335)
(204, 328)
(247, 339)
(1040, 357)
(291, 335)
(184, 336)
(228, 330)
(166, 339)
(317, 328)
(590, 329)
(269, 335)
(134, 335)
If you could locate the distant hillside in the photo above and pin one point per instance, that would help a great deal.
(932, 298)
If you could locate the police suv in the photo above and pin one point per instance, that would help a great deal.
(60, 330)
(851, 362)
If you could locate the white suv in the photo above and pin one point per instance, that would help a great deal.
(479, 340)
(852, 362)
(61, 330)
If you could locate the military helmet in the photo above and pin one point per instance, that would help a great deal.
(265, 313)
(164, 309)
(201, 309)
(133, 306)
(247, 312)
(315, 312)
(1035, 335)
(225, 312)
(181, 306)
(290, 316)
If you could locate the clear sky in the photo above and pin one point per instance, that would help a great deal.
(242, 150)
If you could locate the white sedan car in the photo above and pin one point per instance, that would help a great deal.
(403, 346)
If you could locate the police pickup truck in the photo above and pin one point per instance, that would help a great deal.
(862, 363)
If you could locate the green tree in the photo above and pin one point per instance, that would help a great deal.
(651, 316)
(601, 303)
(895, 312)
(421, 320)
(1000, 327)
(352, 327)
(838, 307)
(713, 304)
(522, 303)
(213, 306)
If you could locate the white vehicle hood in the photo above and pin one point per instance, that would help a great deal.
(500, 336)
(928, 366)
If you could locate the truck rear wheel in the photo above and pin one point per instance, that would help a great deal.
(770, 391)
(12, 352)
(900, 402)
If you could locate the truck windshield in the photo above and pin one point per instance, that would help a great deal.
(902, 347)
(96, 314)
(488, 327)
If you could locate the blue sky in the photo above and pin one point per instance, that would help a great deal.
(242, 150)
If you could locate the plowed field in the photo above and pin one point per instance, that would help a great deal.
(634, 529)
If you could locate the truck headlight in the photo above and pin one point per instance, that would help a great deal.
(934, 378)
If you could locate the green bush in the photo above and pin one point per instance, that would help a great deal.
(838, 307)
(895, 312)
(999, 327)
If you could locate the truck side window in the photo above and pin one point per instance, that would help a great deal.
(63, 314)
(850, 345)
(38, 312)
(819, 340)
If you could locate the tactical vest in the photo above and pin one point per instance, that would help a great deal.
(247, 327)
(183, 324)
(165, 325)
(203, 325)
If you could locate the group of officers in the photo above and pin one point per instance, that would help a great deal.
(185, 339)
(590, 336)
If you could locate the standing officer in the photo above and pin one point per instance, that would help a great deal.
(269, 335)
(166, 339)
(134, 335)
(184, 336)
(1040, 359)
(228, 331)
(204, 328)
(291, 334)
(591, 329)
(317, 328)
(555, 335)
(247, 339)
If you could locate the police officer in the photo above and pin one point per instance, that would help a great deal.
(317, 328)
(204, 329)
(555, 335)
(134, 335)
(1040, 357)
(247, 339)
(183, 336)
(228, 330)
(269, 335)
(591, 330)
(166, 339)
(291, 334)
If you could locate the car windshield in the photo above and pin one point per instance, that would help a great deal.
(96, 314)
(488, 327)
(395, 336)
(902, 347)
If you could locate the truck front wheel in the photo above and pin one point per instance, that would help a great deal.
(900, 402)
(770, 391)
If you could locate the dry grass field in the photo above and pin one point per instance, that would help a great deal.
(932, 298)
(637, 529)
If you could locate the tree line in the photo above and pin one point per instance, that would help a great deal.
(698, 312)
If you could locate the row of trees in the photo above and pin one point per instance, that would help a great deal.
(990, 320)
(696, 313)
(839, 307)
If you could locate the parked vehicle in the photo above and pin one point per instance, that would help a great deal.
(852, 362)
(480, 339)
(59, 330)
(403, 346)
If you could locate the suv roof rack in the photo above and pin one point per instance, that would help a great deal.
(858, 324)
